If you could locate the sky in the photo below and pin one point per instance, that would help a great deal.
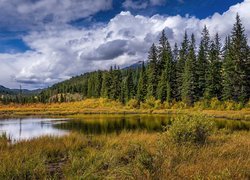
(47, 41)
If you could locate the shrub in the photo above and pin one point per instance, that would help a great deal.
(133, 104)
(203, 104)
(166, 105)
(149, 103)
(229, 105)
(189, 129)
(180, 105)
(215, 103)
(158, 104)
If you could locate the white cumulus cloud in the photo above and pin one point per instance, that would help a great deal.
(59, 52)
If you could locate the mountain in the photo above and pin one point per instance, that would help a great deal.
(4, 91)
(135, 65)
(8, 91)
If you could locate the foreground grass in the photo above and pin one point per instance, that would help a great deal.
(105, 106)
(129, 155)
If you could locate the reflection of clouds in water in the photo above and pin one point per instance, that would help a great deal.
(24, 129)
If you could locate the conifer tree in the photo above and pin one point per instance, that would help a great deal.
(164, 49)
(165, 84)
(213, 80)
(116, 84)
(129, 86)
(98, 83)
(106, 84)
(238, 57)
(203, 62)
(142, 85)
(174, 75)
(227, 71)
(189, 86)
(180, 65)
(152, 72)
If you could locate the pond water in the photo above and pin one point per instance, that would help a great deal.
(27, 128)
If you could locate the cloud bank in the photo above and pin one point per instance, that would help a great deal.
(59, 52)
(35, 14)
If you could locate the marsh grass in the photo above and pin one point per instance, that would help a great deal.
(213, 108)
(129, 155)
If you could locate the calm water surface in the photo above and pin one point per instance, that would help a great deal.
(27, 128)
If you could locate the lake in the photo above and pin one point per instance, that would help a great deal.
(28, 128)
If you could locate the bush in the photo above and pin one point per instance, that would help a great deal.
(190, 129)
(180, 105)
(149, 103)
(133, 104)
(166, 105)
(230, 105)
(158, 104)
(215, 103)
(202, 104)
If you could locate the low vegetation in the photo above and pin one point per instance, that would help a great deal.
(187, 129)
(103, 105)
(204, 152)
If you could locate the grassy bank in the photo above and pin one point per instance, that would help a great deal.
(127, 156)
(105, 106)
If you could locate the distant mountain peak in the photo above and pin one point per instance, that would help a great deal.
(135, 65)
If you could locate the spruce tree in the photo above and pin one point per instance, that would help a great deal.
(142, 85)
(116, 84)
(203, 62)
(174, 90)
(189, 85)
(165, 84)
(213, 80)
(183, 53)
(238, 57)
(129, 86)
(98, 84)
(201, 71)
(164, 49)
(152, 72)
(227, 72)
(106, 84)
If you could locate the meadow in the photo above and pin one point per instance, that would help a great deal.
(213, 108)
(190, 147)
(131, 155)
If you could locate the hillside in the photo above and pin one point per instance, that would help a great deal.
(4, 91)
(8, 91)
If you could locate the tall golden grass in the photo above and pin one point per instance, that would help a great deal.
(127, 156)
(212, 108)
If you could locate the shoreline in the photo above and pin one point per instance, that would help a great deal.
(226, 114)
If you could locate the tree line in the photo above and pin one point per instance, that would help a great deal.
(186, 73)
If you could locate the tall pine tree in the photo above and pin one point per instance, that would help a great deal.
(236, 66)
(142, 85)
(213, 80)
(189, 85)
(183, 53)
(203, 62)
(165, 84)
(152, 72)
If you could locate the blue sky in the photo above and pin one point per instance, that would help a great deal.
(46, 41)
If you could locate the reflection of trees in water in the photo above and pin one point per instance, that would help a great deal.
(106, 124)
(234, 125)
